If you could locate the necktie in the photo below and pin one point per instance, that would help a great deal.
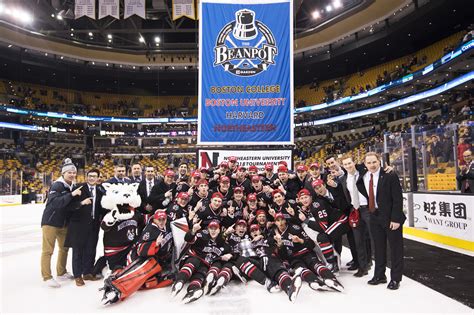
(371, 194)
(93, 201)
(149, 189)
(355, 193)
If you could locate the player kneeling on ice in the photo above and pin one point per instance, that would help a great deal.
(206, 248)
(150, 265)
(294, 245)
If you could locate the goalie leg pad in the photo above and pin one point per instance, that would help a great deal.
(134, 276)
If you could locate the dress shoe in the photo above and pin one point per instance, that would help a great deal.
(375, 280)
(353, 267)
(393, 285)
(90, 277)
(350, 263)
(361, 272)
(79, 282)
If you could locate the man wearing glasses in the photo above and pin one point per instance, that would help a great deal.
(466, 175)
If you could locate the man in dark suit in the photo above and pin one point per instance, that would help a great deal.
(83, 231)
(144, 190)
(136, 173)
(466, 175)
(119, 175)
(385, 206)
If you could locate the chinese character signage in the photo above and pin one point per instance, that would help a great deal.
(445, 214)
(246, 72)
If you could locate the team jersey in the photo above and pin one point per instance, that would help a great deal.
(288, 249)
(146, 245)
(205, 248)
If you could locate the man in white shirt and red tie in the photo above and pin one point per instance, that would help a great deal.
(385, 206)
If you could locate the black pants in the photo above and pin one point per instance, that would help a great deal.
(83, 258)
(362, 237)
(380, 234)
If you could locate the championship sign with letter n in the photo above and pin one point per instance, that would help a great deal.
(245, 72)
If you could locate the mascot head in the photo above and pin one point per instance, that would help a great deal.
(120, 194)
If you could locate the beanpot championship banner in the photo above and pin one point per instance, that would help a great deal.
(246, 72)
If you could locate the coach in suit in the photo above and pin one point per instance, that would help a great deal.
(83, 231)
(144, 190)
(385, 205)
(466, 175)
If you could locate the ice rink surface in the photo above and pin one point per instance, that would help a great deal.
(23, 290)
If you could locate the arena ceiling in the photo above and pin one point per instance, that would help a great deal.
(426, 25)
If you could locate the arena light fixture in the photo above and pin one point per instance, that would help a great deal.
(90, 34)
(141, 39)
(157, 39)
(328, 8)
(337, 4)
(109, 36)
(316, 15)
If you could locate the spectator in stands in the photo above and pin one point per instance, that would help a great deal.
(466, 110)
(54, 223)
(463, 146)
(466, 176)
(119, 175)
(436, 149)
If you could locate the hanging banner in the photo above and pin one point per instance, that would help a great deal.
(109, 7)
(245, 72)
(183, 8)
(134, 7)
(84, 8)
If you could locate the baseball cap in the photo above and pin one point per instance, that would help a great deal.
(183, 195)
(276, 191)
(255, 178)
(315, 164)
(196, 174)
(301, 168)
(241, 168)
(238, 188)
(253, 168)
(279, 215)
(169, 173)
(202, 182)
(252, 197)
(283, 163)
(269, 167)
(214, 224)
(217, 195)
(224, 164)
(224, 179)
(304, 192)
(254, 227)
(159, 214)
(282, 168)
(317, 182)
(203, 169)
(232, 159)
(260, 212)
(241, 222)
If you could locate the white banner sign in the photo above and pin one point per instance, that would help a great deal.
(212, 158)
(84, 8)
(134, 7)
(10, 200)
(109, 7)
(183, 8)
(445, 214)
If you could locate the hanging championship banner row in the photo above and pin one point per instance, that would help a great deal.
(245, 72)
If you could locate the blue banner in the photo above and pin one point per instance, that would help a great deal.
(245, 72)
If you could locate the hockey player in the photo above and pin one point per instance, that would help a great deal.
(286, 207)
(294, 245)
(179, 208)
(148, 258)
(163, 193)
(329, 222)
(212, 211)
(202, 193)
(207, 247)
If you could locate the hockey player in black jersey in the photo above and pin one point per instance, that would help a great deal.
(202, 194)
(294, 245)
(286, 207)
(224, 189)
(207, 247)
(212, 211)
(329, 222)
(179, 208)
(234, 209)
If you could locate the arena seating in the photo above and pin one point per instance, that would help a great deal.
(315, 93)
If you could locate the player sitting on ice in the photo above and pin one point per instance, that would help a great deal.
(294, 245)
(206, 247)
(321, 216)
(150, 265)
